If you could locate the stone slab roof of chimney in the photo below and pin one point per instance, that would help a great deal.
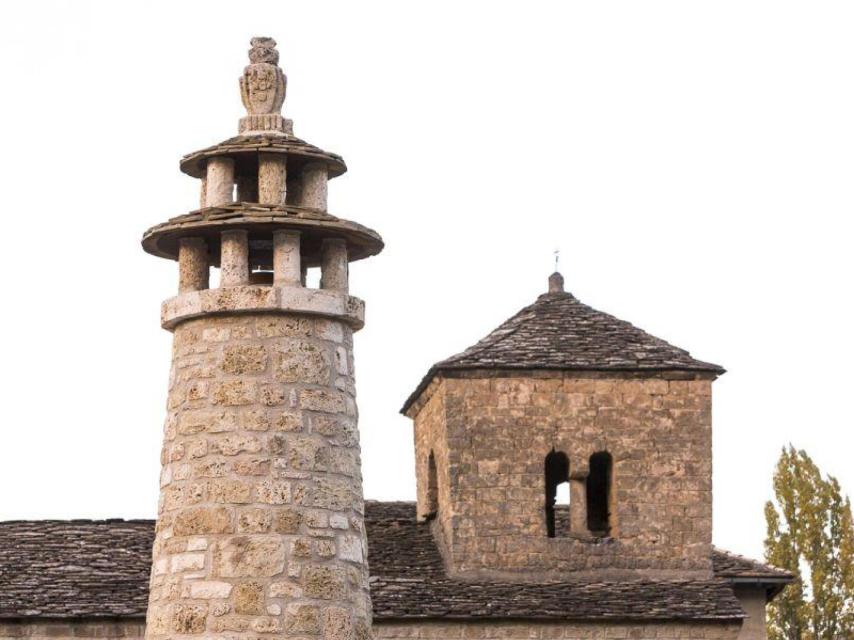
(76, 569)
(558, 332)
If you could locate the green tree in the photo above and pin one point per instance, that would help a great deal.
(810, 534)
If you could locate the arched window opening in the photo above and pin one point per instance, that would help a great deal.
(557, 494)
(599, 483)
(432, 486)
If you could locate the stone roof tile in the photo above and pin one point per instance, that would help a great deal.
(560, 333)
(731, 565)
(84, 569)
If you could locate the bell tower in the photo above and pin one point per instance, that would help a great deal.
(260, 527)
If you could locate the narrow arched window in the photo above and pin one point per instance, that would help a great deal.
(557, 493)
(599, 482)
(432, 486)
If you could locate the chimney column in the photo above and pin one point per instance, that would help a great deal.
(260, 530)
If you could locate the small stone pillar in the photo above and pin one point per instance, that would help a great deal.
(272, 179)
(578, 503)
(334, 265)
(219, 187)
(287, 269)
(234, 258)
(193, 265)
(313, 192)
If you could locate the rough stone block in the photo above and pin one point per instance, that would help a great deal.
(302, 619)
(249, 556)
(337, 624)
(234, 393)
(249, 598)
(302, 361)
(322, 400)
(189, 618)
(244, 359)
(202, 521)
(208, 589)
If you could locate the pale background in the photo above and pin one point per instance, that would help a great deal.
(692, 160)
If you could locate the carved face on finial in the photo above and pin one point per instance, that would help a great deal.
(263, 84)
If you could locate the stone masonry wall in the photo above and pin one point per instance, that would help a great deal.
(554, 631)
(260, 528)
(434, 438)
(132, 629)
(753, 601)
(424, 630)
(490, 436)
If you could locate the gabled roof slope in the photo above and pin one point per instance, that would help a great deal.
(74, 568)
(743, 571)
(84, 569)
(559, 332)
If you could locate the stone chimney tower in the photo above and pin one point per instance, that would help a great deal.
(260, 527)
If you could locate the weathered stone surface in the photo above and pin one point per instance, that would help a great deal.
(302, 361)
(287, 520)
(193, 265)
(234, 393)
(274, 492)
(337, 624)
(231, 445)
(551, 631)
(247, 485)
(260, 478)
(257, 520)
(324, 582)
(190, 618)
(249, 556)
(322, 400)
(249, 598)
(302, 619)
(209, 589)
(489, 440)
(241, 359)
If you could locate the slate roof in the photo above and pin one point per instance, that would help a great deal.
(558, 332)
(80, 569)
(731, 565)
(74, 568)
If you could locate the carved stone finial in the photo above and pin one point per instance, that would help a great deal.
(556, 283)
(263, 50)
(262, 88)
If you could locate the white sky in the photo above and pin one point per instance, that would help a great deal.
(692, 160)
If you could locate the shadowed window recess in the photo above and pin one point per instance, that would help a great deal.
(599, 492)
(432, 487)
(557, 494)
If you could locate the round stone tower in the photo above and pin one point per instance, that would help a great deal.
(260, 527)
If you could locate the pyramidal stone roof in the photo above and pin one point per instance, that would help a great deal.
(559, 332)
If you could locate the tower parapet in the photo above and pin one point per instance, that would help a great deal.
(260, 523)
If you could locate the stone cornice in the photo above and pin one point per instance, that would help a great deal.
(259, 298)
